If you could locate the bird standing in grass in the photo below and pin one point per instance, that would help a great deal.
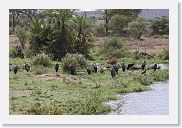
(143, 65)
(16, 68)
(72, 69)
(130, 65)
(57, 67)
(27, 67)
(95, 68)
(113, 73)
(154, 66)
(88, 70)
(123, 67)
(116, 68)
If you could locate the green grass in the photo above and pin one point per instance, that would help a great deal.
(47, 94)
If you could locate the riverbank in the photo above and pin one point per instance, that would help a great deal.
(74, 95)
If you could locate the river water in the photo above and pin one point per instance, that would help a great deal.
(154, 102)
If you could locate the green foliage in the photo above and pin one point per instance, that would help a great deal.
(137, 27)
(22, 35)
(74, 59)
(93, 105)
(12, 52)
(118, 24)
(114, 48)
(39, 36)
(42, 59)
(160, 25)
(100, 30)
(113, 43)
(60, 34)
(160, 75)
(39, 69)
(38, 109)
(144, 80)
(164, 55)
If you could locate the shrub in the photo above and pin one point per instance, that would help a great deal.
(39, 69)
(160, 75)
(22, 35)
(164, 55)
(100, 31)
(42, 59)
(113, 43)
(92, 105)
(28, 53)
(12, 52)
(138, 27)
(114, 48)
(118, 24)
(74, 59)
(144, 80)
(38, 109)
(160, 25)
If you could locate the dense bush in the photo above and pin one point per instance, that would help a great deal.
(113, 43)
(138, 27)
(12, 52)
(164, 55)
(22, 35)
(92, 105)
(100, 31)
(118, 24)
(42, 59)
(114, 48)
(160, 25)
(160, 75)
(77, 60)
(144, 80)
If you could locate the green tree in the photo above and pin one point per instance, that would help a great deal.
(22, 35)
(160, 25)
(14, 16)
(40, 32)
(138, 27)
(129, 14)
(81, 30)
(62, 37)
(118, 24)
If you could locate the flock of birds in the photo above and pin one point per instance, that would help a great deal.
(114, 69)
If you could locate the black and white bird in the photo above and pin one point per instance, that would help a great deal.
(27, 67)
(113, 73)
(154, 66)
(116, 68)
(16, 68)
(56, 67)
(143, 65)
(88, 70)
(72, 69)
(95, 68)
(130, 65)
(123, 67)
